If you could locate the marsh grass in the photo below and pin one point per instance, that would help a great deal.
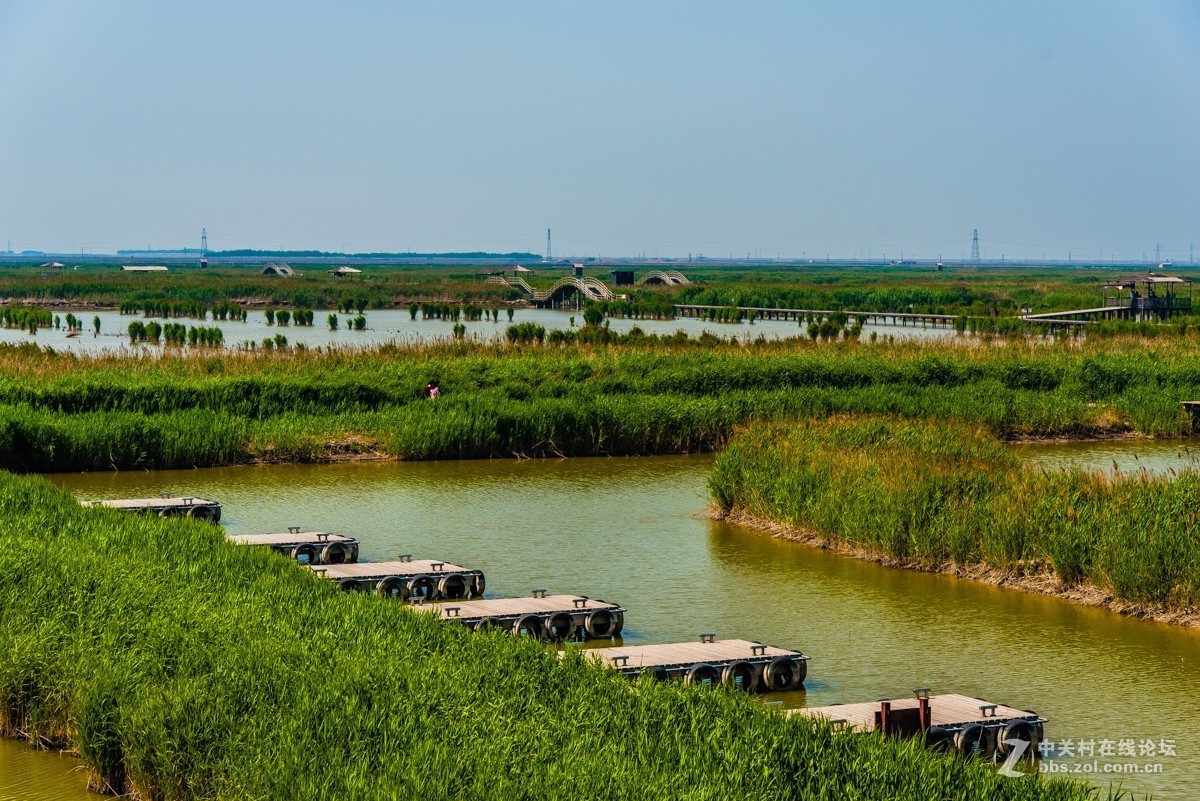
(58, 411)
(936, 492)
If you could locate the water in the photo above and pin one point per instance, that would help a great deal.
(395, 325)
(29, 775)
(1158, 457)
(634, 531)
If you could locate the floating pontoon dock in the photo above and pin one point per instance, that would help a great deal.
(744, 664)
(544, 617)
(163, 506)
(307, 547)
(406, 579)
(970, 725)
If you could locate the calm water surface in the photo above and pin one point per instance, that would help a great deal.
(395, 325)
(27, 774)
(1124, 456)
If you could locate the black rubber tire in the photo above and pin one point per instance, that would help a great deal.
(558, 626)
(347, 584)
(619, 618)
(392, 587)
(453, 586)
(1017, 730)
(335, 553)
(308, 550)
(422, 587)
(702, 674)
(200, 512)
(480, 584)
(975, 741)
(600, 624)
(740, 676)
(782, 673)
(528, 626)
(489, 624)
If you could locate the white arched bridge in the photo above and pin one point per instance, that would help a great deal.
(563, 288)
(669, 277)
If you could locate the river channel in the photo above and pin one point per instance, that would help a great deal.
(634, 531)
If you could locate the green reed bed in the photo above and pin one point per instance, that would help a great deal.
(932, 493)
(63, 412)
(181, 667)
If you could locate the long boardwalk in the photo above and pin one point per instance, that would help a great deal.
(879, 318)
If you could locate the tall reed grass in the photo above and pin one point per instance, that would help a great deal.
(934, 492)
(637, 396)
(181, 667)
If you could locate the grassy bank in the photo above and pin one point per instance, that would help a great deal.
(62, 412)
(937, 495)
(181, 667)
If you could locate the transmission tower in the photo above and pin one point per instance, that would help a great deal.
(549, 252)
(975, 245)
(203, 242)
(1158, 252)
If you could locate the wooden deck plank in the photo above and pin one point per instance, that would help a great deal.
(686, 653)
(303, 537)
(945, 710)
(150, 503)
(374, 570)
(511, 607)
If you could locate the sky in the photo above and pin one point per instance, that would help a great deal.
(775, 129)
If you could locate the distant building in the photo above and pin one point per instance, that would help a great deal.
(143, 268)
(622, 277)
(278, 269)
(344, 271)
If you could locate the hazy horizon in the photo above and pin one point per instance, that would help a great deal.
(858, 130)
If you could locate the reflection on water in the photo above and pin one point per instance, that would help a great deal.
(396, 325)
(633, 531)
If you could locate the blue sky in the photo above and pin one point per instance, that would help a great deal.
(773, 128)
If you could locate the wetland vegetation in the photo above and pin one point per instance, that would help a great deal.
(178, 666)
(940, 495)
(63, 412)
